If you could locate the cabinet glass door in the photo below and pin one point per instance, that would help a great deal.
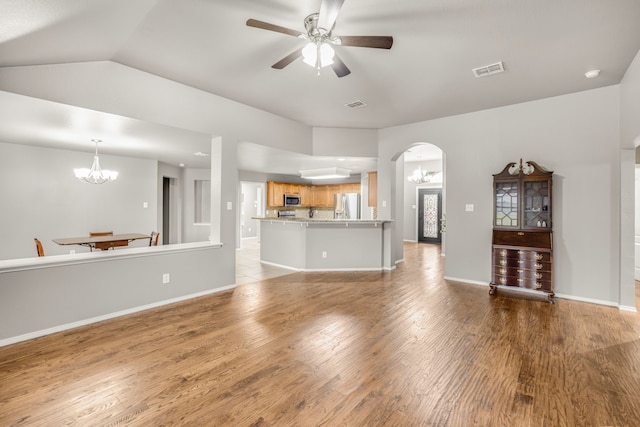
(506, 204)
(536, 204)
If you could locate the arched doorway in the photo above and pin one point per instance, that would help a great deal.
(423, 182)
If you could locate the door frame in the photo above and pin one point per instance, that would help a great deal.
(420, 207)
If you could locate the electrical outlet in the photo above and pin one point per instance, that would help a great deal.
(324, 254)
(469, 208)
(166, 278)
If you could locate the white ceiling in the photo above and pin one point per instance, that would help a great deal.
(546, 47)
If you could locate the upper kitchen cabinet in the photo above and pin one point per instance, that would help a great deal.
(275, 193)
(311, 195)
(372, 201)
(353, 187)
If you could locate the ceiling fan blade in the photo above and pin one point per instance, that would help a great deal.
(288, 59)
(339, 68)
(272, 27)
(378, 42)
(329, 10)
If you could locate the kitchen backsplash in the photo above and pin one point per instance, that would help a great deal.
(318, 213)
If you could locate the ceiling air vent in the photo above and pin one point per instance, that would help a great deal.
(487, 70)
(355, 104)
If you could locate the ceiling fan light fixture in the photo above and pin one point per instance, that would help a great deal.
(310, 54)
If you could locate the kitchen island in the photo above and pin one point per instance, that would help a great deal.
(322, 244)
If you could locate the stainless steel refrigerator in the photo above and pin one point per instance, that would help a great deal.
(347, 206)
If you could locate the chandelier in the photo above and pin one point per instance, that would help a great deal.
(420, 177)
(95, 175)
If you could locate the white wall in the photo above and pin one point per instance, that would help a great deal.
(629, 139)
(42, 198)
(41, 299)
(637, 225)
(574, 135)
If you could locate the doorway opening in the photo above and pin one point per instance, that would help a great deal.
(424, 199)
(170, 218)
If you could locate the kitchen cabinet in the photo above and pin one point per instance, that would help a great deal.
(311, 195)
(372, 201)
(323, 195)
(275, 194)
(353, 187)
(306, 195)
(522, 243)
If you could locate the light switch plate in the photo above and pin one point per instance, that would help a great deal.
(229, 206)
(469, 208)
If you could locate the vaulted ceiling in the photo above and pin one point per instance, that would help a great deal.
(546, 46)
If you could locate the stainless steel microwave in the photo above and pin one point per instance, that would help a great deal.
(292, 200)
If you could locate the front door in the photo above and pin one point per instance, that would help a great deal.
(429, 215)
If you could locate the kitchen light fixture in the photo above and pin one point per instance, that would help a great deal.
(95, 175)
(325, 173)
(421, 177)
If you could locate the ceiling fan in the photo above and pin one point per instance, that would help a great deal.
(318, 51)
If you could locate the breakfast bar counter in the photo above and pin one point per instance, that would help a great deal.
(322, 244)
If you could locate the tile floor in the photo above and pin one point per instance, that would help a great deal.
(248, 266)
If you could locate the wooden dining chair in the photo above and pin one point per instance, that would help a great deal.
(153, 241)
(39, 248)
(99, 233)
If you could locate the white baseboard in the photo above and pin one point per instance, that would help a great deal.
(273, 264)
(562, 296)
(471, 282)
(67, 326)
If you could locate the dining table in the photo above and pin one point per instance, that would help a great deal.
(102, 242)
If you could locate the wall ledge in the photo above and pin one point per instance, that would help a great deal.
(25, 264)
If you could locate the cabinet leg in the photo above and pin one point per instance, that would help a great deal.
(551, 298)
(492, 289)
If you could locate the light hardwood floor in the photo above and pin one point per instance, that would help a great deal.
(401, 348)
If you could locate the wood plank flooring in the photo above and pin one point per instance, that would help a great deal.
(401, 348)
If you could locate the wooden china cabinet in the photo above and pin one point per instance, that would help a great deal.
(522, 246)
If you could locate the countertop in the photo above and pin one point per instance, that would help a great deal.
(318, 221)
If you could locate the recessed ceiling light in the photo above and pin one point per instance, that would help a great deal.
(341, 160)
(592, 74)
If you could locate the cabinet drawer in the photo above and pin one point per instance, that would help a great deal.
(534, 255)
(522, 282)
(533, 275)
(531, 239)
